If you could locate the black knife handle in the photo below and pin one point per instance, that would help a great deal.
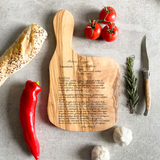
(147, 96)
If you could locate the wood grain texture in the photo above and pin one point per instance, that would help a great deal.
(84, 91)
(147, 95)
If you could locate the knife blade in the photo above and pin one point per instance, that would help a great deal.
(144, 55)
(146, 74)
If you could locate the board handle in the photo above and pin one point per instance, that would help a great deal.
(63, 23)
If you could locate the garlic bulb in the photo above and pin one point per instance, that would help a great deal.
(122, 136)
(100, 153)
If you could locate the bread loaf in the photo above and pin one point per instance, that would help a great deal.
(22, 51)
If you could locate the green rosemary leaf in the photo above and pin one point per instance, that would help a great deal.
(131, 85)
(136, 101)
(128, 92)
(130, 79)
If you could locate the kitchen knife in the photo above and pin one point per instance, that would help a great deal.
(146, 74)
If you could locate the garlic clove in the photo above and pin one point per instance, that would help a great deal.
(122, 136)
(100, 153)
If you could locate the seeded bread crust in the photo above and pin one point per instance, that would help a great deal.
(22, 51)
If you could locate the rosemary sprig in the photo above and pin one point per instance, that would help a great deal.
(131, 85)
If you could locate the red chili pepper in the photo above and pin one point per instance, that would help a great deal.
(28, 103)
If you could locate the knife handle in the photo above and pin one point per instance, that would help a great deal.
(147, 96)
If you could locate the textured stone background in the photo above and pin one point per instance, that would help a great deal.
(134, 20)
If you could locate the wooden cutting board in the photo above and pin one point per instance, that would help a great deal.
(84, 91)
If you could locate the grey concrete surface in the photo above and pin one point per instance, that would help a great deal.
(134, 20)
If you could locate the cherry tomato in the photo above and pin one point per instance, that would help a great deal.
(108, 14)
(110, 32)
(93, 30)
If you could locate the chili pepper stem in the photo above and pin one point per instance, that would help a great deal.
(37, 82)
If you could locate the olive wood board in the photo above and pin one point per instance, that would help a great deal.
(84, 91)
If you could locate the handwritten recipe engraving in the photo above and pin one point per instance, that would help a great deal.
(79, 105)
